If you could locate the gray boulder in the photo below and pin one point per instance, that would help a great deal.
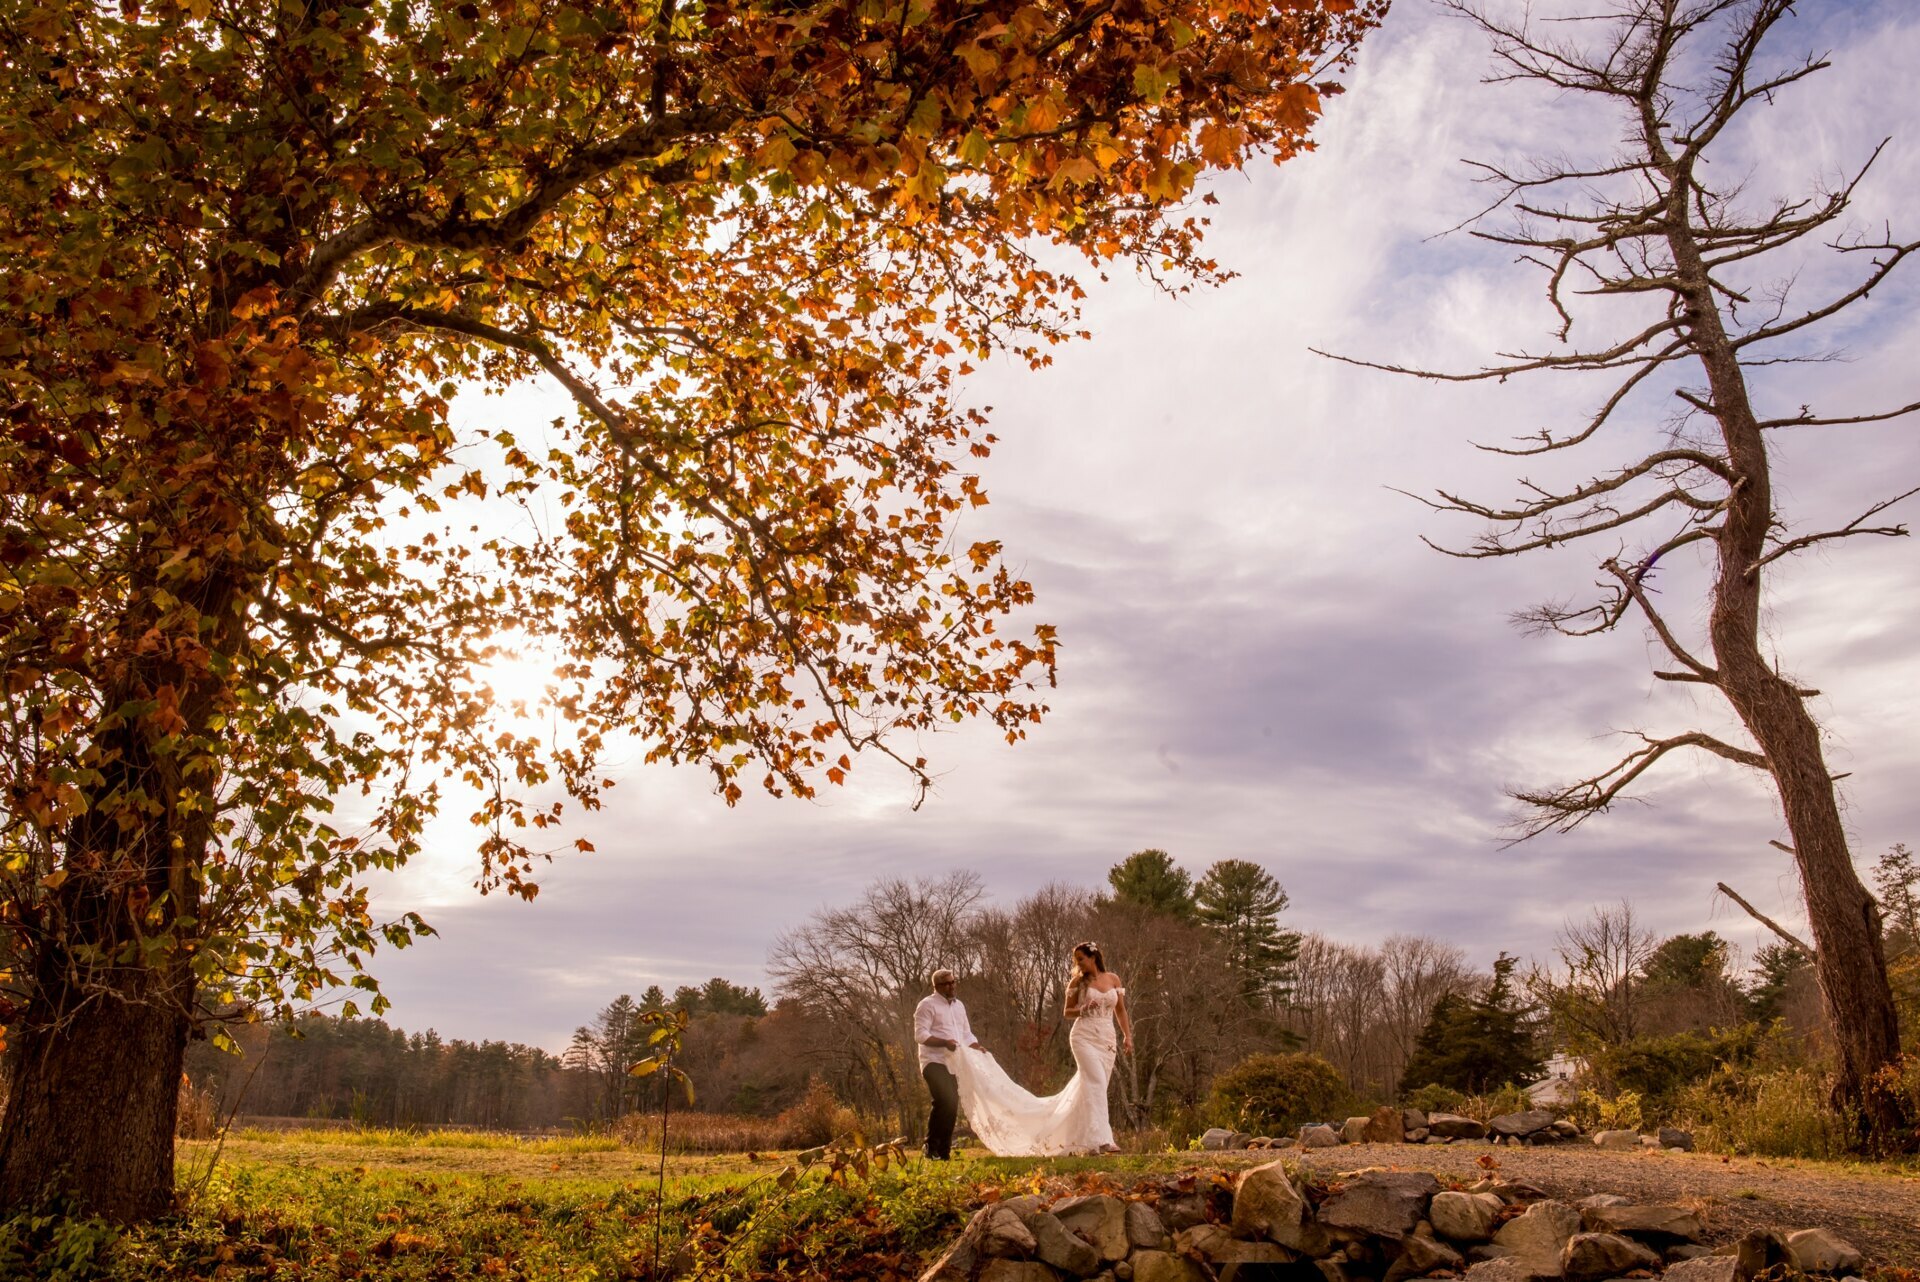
(1145, 1229)
(1660, 1224)
(1017, 1271)
(1183, 1210)
(1099, 1219)
(1592, 1257)
(1055, 1245)
(1520, 1126)
(1464, 1217)
(1706, 1268)
(1616, 1141)
(1413, 1119)
(1451, 1126)
(1215, 1138)
(1165, 1266)
(1221, 1247)
(1758, 1250)
(1420, 1256)
(1380, 1203)
(1266, 1204)
(1005, 1234)
(1673, 1137)
(1513, 1192)
(1319, 1137)
(1387, 1125)
(1355, 1131)
(1821, 1251)
(1538, 1235)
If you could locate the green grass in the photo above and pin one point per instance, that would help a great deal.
(394, 1206)
(409, 1137)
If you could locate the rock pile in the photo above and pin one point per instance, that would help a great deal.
(1389, 1125)
(1376, 1225)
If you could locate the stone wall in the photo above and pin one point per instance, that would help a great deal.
(1375, 1225)
(1390, 1125)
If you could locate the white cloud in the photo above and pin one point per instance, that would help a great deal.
(1261, 659)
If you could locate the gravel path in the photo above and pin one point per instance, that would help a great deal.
(1878, 1211)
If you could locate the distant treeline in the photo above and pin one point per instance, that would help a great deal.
(360, 1070)
(1213, 977)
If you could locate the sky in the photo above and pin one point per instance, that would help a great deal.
(1262, 660)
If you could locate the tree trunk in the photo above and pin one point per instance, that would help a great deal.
(92, 1103)
(1849, 958)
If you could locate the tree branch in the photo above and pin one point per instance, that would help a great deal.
(1566, 808)
(1765, 920)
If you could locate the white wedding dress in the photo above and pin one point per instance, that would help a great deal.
(1012, 1122)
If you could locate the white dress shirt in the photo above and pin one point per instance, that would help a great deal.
(938, 1016)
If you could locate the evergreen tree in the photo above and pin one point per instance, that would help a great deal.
(1688, 961)
(1477, 1044)
(1776, 965)
(1150, 879)
(1898, 881)
(1241, 902)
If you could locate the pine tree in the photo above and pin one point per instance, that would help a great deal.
(1898, 880)
(1241, 902)
(1150, 879)
(1477, 1044)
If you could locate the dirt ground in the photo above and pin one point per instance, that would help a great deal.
(1876, 1209)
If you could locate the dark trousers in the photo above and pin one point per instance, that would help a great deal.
(946, 1109)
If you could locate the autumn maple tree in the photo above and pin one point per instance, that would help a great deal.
(252, 569)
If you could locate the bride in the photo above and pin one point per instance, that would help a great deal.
(1013, 1123)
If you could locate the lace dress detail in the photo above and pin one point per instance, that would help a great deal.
(1013, 1122)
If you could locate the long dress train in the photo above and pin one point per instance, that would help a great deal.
(1013, 1122)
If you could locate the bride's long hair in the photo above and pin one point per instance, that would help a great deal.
(1078, 980)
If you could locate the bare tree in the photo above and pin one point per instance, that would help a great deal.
(1645, 222)
(1593, 997)
(1419, 972)
(860, 970)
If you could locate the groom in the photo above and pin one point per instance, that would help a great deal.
(939, 1028)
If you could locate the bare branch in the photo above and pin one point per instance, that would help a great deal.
(1566, 808)
(1847, 531)
(1807, 418)
(1765, 920)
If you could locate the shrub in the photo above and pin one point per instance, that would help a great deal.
(1657, 1069)
(1597, 1112)
(1774, 1113)
(1272, 1094)
(1434, 1098)
(818, 1118)
(1508, 1099)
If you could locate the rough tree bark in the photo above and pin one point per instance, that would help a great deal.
(1849, 956)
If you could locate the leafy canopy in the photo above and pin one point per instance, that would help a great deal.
(1150, 879)
(253, 567)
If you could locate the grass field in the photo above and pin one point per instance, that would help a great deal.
(432, 1207)
(402, 1206)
